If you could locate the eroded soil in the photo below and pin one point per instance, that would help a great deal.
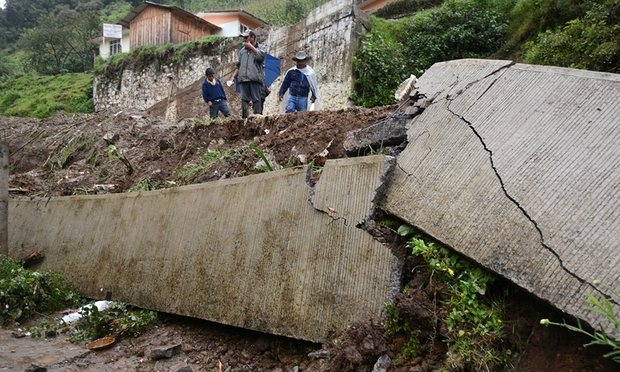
(124, 151)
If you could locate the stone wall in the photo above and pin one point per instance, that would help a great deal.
(330, 34)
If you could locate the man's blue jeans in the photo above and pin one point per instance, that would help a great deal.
(218, 106)
(295, 103)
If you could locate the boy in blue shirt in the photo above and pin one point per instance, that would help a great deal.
(214, 95)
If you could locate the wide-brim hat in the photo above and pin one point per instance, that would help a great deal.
(301, 56)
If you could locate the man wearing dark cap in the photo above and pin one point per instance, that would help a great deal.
(214, 95)
(250, 74)
(300, 81)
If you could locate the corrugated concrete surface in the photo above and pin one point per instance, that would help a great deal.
(518, 167)
(251, 252)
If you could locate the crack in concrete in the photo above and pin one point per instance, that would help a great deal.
(518, 205)
(428, 152)
(312, 185)
(379, 192)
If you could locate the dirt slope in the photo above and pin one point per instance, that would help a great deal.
(122, 151)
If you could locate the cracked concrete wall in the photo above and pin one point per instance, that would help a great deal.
(265, 252)
(518, 167)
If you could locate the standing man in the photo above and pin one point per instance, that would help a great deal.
(300, 81)
(250, 74)
(214, 95)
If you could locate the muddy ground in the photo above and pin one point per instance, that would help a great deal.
(135, 151)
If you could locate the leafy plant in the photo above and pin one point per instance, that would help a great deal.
(119, 319)
(474, 322)
(115, 152)
(24, 292)
(602, 306)
(261, 155)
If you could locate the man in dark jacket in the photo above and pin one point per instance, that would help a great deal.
(300, 81)
(214, 95)
(250, 74)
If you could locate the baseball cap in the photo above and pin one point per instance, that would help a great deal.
(248, 33)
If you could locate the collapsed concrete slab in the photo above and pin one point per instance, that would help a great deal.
(255, 252)
(518, 167)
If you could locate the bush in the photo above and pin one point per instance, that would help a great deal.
(590, 42)
(24, 292)
(378, 69)
(392, 51)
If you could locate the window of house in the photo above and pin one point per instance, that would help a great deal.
(115, 46)
(242, 28)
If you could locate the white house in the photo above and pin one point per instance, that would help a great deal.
(232, 22)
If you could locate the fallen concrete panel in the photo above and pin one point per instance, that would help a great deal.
(250, 252)
(518, 167)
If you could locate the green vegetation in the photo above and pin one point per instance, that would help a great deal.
(395, 49)
(41, 96)
(115, 152)
(610, 338)
(159, 55)
(473, 319)
(61, 43)
(591, 42)
(190, 172)
(265, 168)
(120, 319)
(24, 293)
(406, 37)
(566, 33)
(275, 12)
(147, 184)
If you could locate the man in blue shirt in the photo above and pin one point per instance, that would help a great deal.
(214, 95)
(300, 81)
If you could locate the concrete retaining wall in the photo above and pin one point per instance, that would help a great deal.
(264, 252)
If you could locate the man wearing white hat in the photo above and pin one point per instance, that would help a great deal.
(300, 81)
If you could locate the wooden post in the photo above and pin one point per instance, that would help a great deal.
(4, 198)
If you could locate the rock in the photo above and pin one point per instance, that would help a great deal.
(383, 363)
(166, 352)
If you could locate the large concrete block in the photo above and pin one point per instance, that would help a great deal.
(518, 167)
(252, 252)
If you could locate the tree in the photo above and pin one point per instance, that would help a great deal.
(61, 43)
(23, 14)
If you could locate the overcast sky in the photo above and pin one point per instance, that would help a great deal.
(2, 4)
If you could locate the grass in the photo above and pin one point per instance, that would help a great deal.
(611, 338)
(189, 172)
(43, 96)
